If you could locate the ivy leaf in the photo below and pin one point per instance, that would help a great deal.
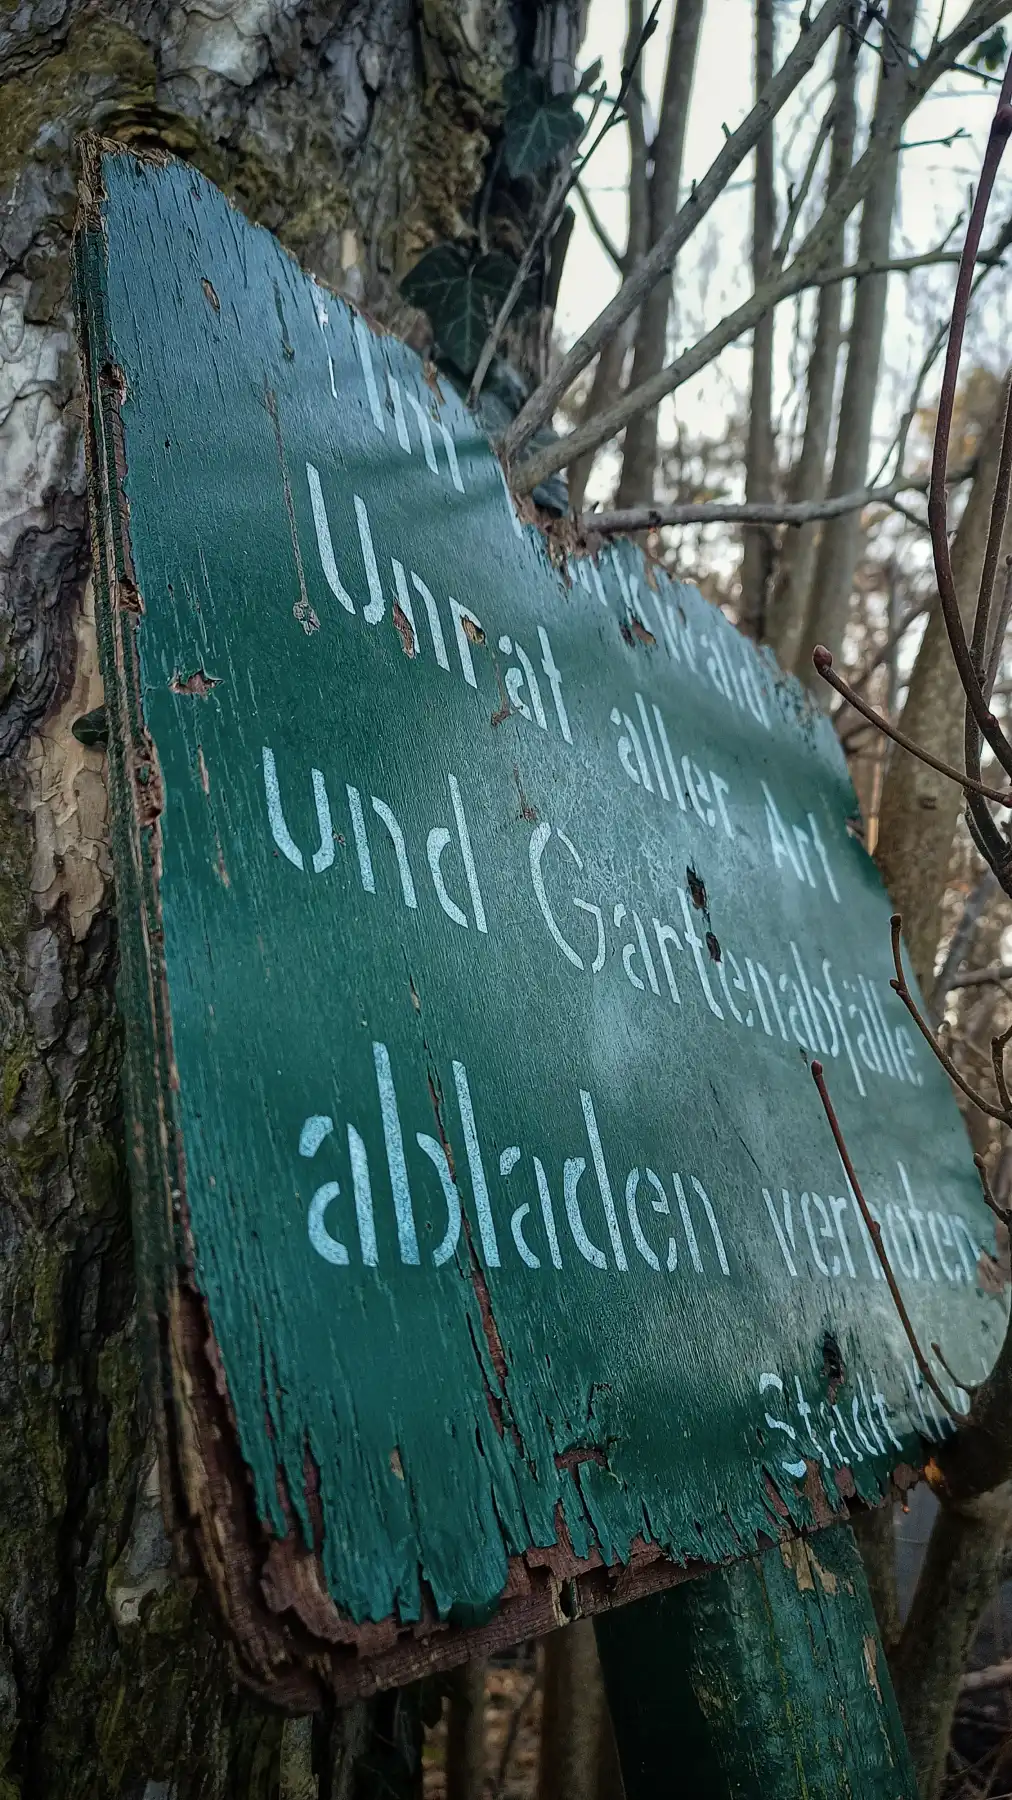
(461, 298)
(523, 87)
(537, 129)
(992, 50)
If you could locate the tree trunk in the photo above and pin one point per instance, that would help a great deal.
(959, 1578)
(760, 450)
(920, 810)
(639, 455)
(465, 1734)
(840, 540)
(361, 134)
(607, 381)
(579, 1758)
(788, 607)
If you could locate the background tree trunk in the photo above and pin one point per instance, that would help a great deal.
(639, 455)
(840, 540)
(579, 1758)
(465, 1736)
(920, 810)
(607, 381)
(787, 611)
(760, 447)
(360, 133)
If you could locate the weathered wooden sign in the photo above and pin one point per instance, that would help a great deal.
(480, 920)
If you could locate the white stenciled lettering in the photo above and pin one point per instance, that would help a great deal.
(645, 753)
(792, 1465)
(324, 856)
(851, 1429)
(919, 1239)
(524, 1191)
(799, 848)
(800, 1005)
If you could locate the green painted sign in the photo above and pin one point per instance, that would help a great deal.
(481, 915)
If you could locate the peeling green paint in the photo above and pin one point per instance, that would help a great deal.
(417, 899)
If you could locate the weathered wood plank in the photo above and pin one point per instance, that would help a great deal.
(479, 919)
(766, 1681)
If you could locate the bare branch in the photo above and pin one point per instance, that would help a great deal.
(1000, 1212)
(557, 193)
(1001, 244)
(875, 1233)
(801, 192)
(899, 986)
(789, 603)
(743, 512)
(998, 630)
(981, 642)
(610, 248)
(658, 261)
(984, 889)
(998, 1045)
(985, 721)
(839, 545)
(757, 558)
(824, 664)
(604, 425)
(967, 1389)
(885, 650)
(662, 191)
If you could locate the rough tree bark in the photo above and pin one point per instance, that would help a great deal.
(807, 481)
(840, 540)
(360, 132)
(760, 448)
(639, 454)
(920, 810)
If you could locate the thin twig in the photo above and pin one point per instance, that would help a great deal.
(549, 213)
(998, 630)
(962, 1385)
(981, 639)
(1001, 244)
(800, 194)
(885, 649)
(610, 249)
(823, 660)
(512, 1734)
(875, 1233)
(899, 986)
(1000, 1212)
(998, 1045)
(737, 512)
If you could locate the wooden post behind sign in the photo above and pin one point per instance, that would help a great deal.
(766, 1678)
